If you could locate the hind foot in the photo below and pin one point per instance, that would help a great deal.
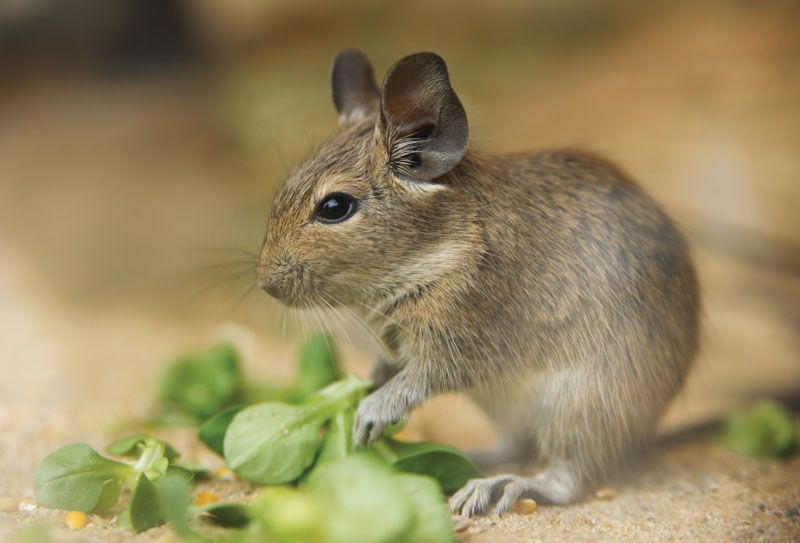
(498, 494)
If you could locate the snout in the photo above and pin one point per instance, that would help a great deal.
(271, 287)
(270, 277)
(281, 279)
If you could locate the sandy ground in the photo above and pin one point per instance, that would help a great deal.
(72, 371)
(108, 187)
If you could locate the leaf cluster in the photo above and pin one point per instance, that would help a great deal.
(77, 478)
(297, 437)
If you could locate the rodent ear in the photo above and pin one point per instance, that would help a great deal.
(355, 92)
(422, 119)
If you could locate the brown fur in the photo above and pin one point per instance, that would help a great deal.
(548, 285)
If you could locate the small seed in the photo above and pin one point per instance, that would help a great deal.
(223, 473)
(606, 494)
(76, 520)
(204, 498)
(525, 507)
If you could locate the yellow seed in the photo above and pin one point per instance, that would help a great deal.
(606, 494)
(525, 507)
(223, 473)
(204, 498)
(76, 520)
(408, 434)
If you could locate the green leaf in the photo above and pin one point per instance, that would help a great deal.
(432, 518)
(76, 478)
(763, 430)
(229, 515)
(197, 471)
(212, 432)
(174, 498)
(288, 515)
(202, 385)
(363, 501)
(260, 392)
(317, 367)
(273, 443)
(144, 511)
(188, 474)
(338, 442)
(449, 466)
(134, 445)
(152, 460)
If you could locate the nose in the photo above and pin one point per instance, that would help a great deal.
(271, 287)
(271, 276)
(265, 276)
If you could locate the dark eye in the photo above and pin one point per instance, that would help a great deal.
(335, 207)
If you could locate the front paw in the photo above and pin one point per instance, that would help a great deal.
(374, 414)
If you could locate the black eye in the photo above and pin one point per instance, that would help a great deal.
(335, 207)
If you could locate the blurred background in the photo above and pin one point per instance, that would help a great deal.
(141, 142)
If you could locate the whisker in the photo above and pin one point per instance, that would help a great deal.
(274, 143)
(335, 316)
(243, 293)
(302, 128)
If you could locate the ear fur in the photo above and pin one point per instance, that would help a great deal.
(422, 119)
(355, 92)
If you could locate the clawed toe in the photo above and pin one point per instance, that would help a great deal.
(478, 495)
(511, 494)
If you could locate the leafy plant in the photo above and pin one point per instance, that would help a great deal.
(76, 478)
(317, 368)
(144, 511)
(135, 445)
(288, 515)
(301, 435)
(355, 498)
(201, 385)
(764, 430)
(212, 432)
(228, 515)
(432, 519)
(338, 441)
(274, 443)
(449, 466)
(363, 500)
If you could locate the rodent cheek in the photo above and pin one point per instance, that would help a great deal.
(335, 259)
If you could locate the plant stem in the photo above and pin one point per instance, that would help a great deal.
(337, 396)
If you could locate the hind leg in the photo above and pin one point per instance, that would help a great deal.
(584, 426)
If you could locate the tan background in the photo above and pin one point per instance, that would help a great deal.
(134, 163)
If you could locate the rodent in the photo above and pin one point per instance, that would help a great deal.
(548, 286)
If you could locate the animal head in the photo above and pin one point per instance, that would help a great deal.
(371, 214)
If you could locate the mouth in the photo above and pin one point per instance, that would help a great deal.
(297, 287)
(285, 296)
